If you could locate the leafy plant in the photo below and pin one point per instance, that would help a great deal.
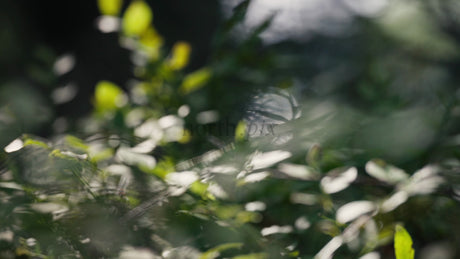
(174, 167)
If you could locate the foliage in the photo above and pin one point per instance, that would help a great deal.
(321, 182)
(403, 244)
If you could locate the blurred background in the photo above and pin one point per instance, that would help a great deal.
(391, 62)
(327, 84)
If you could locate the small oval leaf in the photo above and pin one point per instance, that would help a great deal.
(108, 96)
(137, 18)
(195, 80)
(180, 55)
(110, 7)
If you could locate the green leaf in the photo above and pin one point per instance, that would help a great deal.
(164, 167)
(314, 155)
(199, 188)
(239, 13)
(110, 7)
(403, 244)
(180, 55)
(215, 251)
(102, 155)
(76, 143)
(195, 80)
(240, 131)
(108, 96)
(137, 18)
(33, 142)
(252, 256)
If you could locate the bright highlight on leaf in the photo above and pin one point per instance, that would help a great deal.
(110, 7)
(137, 18)
(403, 244)
(195, 80)
(385, 172)
(180, 55)
(15, 145)
(108, 96)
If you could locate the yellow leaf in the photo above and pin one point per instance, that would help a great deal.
(180, 55)
(163, 168)
(199, 188)
(110, 7)
(186, 136)
(137, 18)
(108, 96)
(195, 80)
(215, 251)
(252, 256)
(33, 142)
(152, 42)
(240, 131)
(403, 244)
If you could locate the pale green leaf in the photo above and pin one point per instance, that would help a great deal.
(76, 143)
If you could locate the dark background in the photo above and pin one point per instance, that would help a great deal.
(68, 27)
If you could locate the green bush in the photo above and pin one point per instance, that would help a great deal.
(175, 168)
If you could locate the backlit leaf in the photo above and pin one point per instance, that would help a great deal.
(240, 131)
(180, 55)
(252, 256)
(215, 252)
(34, 142)
(110, 7)
(195, 80)
(108, 96)
(403, 244)
(137, 18)
(151, 43)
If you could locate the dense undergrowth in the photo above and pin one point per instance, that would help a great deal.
(176, 167)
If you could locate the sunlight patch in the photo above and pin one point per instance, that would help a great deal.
(337, 181)
(64, 64)
(276, 230)
(353, 210)
(255, 206)
(14, 146)
(267, 159)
